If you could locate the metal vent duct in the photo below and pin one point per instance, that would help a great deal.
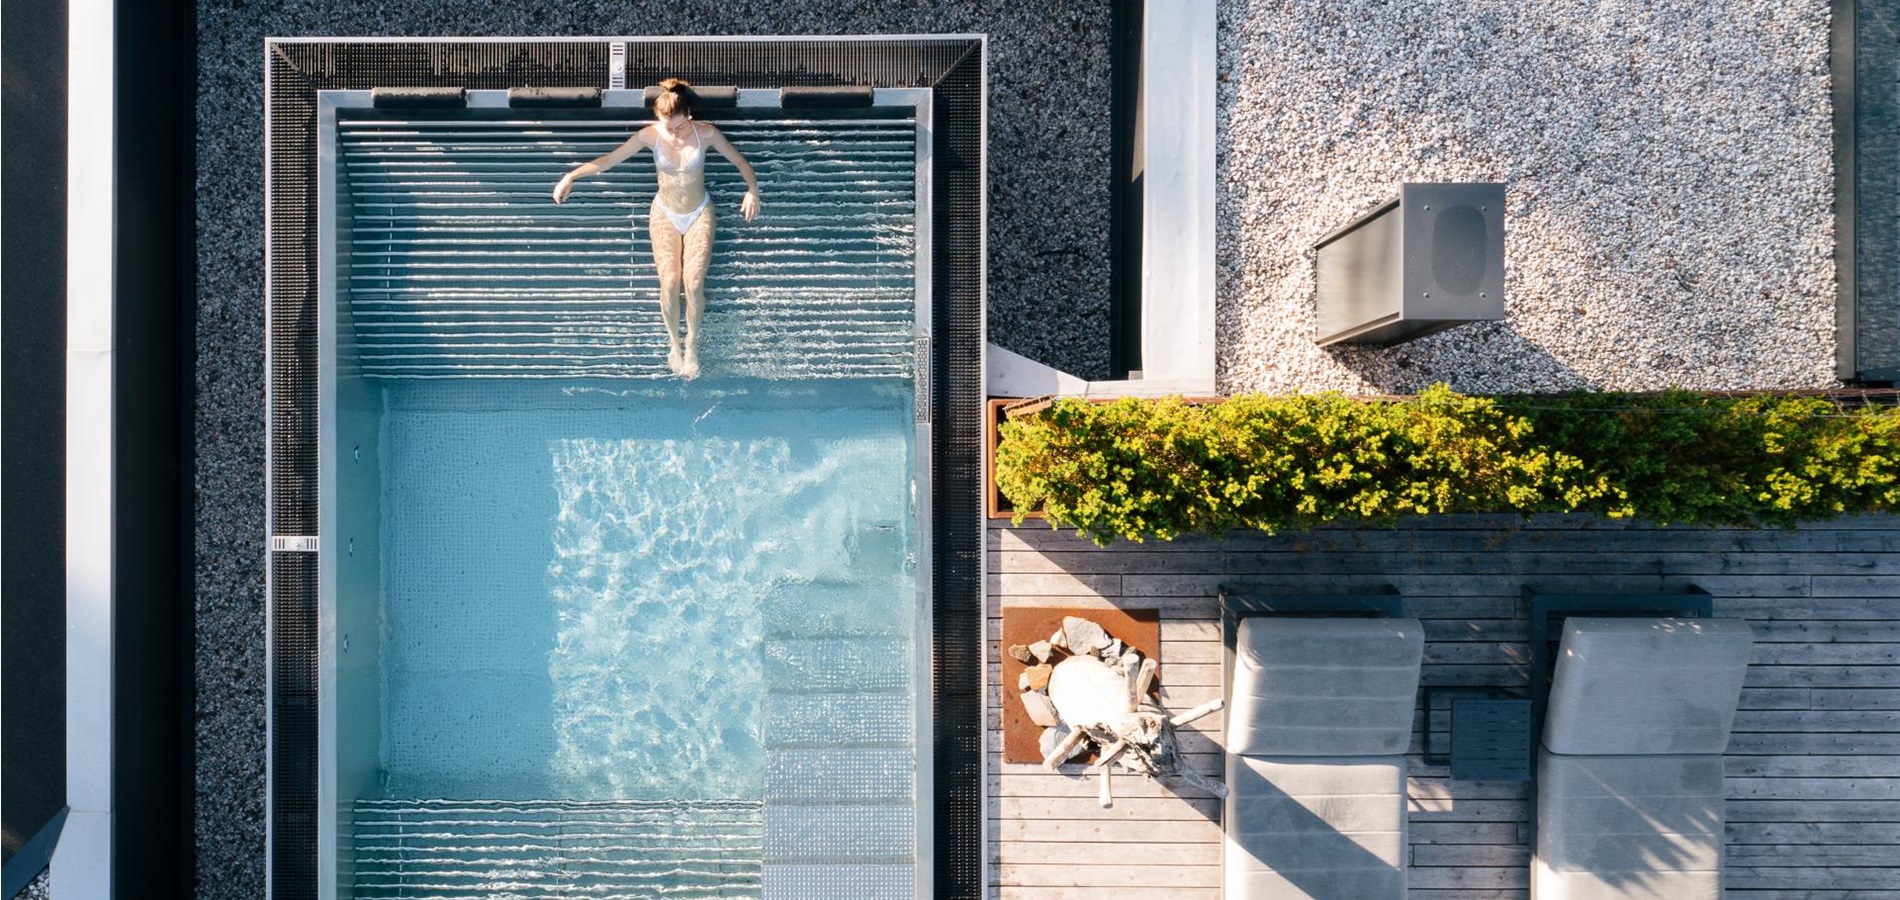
(1431, 259)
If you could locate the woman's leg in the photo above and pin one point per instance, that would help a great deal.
(667, 248)
(698, 257)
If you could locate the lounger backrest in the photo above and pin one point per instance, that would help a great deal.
(1324, 687)
(1627, 686)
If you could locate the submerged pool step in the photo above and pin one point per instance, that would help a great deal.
(441, 849)
(881, 607)
(863, 665)
(829, 882)
(833, 835)
(826, 777)
(812, 721)
(839, 738)
(839, 823)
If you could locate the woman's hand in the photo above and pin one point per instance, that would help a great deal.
(562, 189)
(749, 205)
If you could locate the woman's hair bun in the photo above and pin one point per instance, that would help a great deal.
(676, 96)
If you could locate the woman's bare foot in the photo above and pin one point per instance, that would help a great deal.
(689, 368)
(674, 360)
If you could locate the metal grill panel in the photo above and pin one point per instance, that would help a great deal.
(293, 611)
(291, 420)
(773, 63)
(957, 622)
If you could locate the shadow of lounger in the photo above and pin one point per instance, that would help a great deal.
(1317, 729)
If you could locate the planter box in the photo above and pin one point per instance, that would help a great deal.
(995, 504)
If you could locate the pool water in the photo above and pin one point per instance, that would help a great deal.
(596, 594)
(618, 634)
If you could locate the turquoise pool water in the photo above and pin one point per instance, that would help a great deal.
(595, 593)
(600, 632)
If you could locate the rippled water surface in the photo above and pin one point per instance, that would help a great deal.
(588, 589)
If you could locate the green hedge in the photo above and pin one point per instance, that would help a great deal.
(1162, 468)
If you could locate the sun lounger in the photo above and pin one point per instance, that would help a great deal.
(1629, 781)
(1319, 717)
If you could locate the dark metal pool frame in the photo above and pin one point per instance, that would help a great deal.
(952, 68)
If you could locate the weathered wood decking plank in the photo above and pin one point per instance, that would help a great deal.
(1015, 892)
(1797, 836)
(1814, 766)
(1153, 875)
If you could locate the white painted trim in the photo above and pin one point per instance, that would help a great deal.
(82, 862)
(1011, 374)
(1007, 373)
(1178, 70)
(79, 867)
(482, 99)
(1150, 387)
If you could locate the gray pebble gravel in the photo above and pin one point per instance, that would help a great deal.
(1669, 215)
(1048, 171)
(37, 889)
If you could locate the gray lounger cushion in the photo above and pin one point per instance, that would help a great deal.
(1629, 827)
(1324, 687)
(1639, 686)
(1315, 827)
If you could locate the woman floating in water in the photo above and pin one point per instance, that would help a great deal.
(681, 221)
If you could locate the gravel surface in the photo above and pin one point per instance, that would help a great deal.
(1048, 170)
(37, 889)
(1669, 217)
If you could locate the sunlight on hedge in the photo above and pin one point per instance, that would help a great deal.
(1140, 468)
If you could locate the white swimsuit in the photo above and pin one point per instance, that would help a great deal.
(691, 163)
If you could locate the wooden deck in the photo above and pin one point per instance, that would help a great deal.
(1813, 767)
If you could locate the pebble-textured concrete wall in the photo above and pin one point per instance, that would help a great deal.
(1669, 216)
(1048, 170)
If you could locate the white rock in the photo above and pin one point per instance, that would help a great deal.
(1083, 635)
(1040, 710)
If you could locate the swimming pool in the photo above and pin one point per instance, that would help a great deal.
(586, 629)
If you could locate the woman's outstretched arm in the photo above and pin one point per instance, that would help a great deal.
(749, 207)
(596, 166)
